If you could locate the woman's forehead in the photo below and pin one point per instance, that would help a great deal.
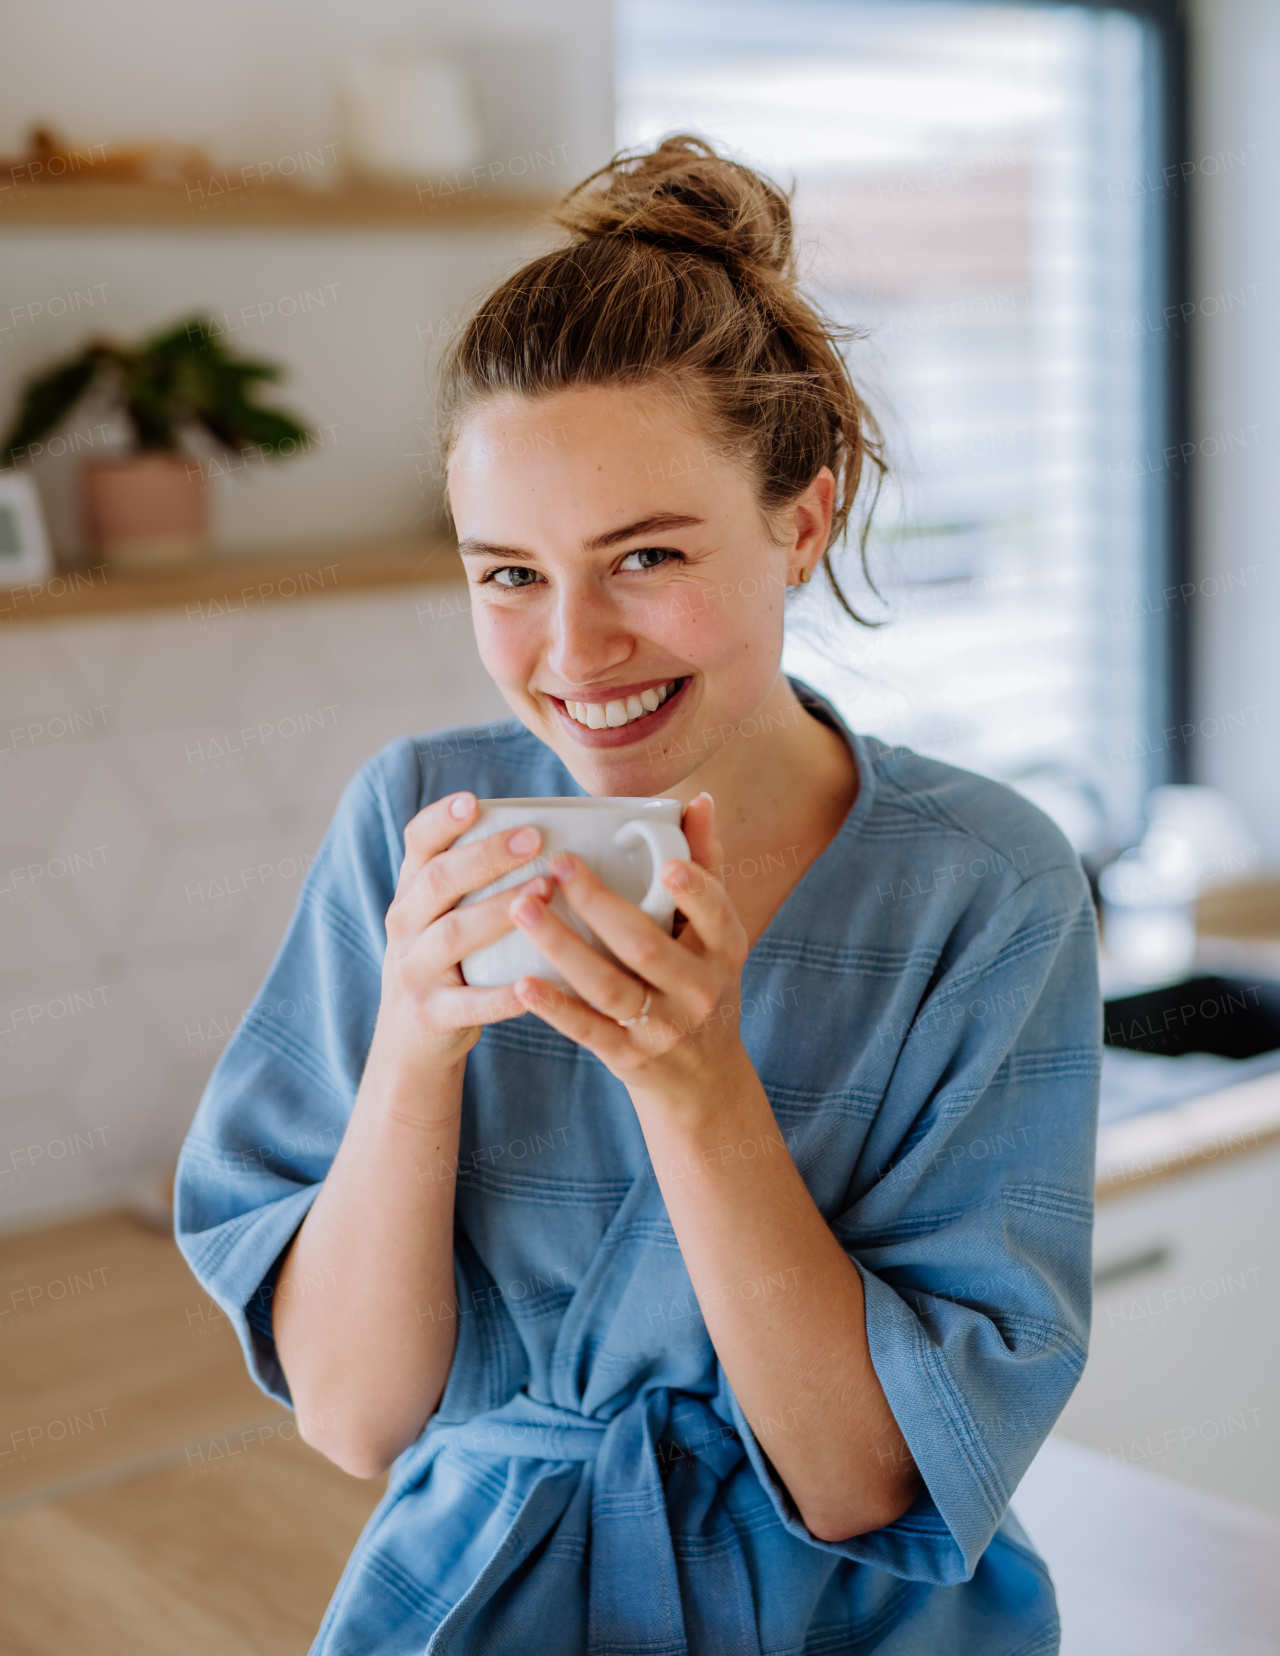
(580, 418)
(588, 459)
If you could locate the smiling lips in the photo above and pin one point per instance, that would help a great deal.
(613, 715)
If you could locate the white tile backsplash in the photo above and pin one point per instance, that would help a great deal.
(173, 849)
(40, 926)
(176, 661)
(100, 847)
(37, 776)
(48, 1022)
(196, 769)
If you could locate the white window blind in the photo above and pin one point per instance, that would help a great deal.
(973, 193)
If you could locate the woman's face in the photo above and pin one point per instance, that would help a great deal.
(626, 592)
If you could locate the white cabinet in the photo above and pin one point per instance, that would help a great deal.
(1183, 1375)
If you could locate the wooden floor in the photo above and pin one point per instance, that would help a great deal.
(152, 1500)
(152, 1505)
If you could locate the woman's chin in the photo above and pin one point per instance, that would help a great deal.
(619, 773)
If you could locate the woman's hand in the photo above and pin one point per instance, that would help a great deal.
(429, 1017)
(365, 1368)
(683, 993)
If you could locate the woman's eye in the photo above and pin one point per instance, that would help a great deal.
(515, 575)
(648, 557)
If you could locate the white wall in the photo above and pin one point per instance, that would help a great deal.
(349, 316)
(1236, 229)
(363, 311)
(165, 780)
(251, 86)
(131, 940)
(251, 81)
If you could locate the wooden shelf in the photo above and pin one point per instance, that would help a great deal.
(225, 201)
(222, 587)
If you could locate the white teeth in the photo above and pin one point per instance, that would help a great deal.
(611, 715)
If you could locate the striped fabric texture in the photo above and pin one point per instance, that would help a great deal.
(923, 1013)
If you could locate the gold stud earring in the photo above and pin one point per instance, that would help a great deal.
(804, 577)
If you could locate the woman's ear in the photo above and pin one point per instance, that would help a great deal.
(811, 516)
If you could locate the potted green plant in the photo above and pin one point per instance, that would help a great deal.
(150, 507)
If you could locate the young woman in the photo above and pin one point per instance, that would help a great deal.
(719, 1306)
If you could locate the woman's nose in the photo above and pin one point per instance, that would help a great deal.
(589, 638)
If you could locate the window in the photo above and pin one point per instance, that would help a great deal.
(978, 191)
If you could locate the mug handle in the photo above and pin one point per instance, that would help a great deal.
(663, 841)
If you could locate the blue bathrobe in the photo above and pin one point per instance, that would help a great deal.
(923, 1013)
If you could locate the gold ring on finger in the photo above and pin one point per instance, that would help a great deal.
(642, 1016)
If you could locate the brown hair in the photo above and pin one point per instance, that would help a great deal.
(681, 270)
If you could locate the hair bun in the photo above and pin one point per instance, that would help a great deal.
(683, 197)
(679, 273)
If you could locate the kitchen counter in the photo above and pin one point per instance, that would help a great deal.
(1219, 1125)
(1144, 1566)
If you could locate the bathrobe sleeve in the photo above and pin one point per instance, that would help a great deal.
(278, 1102)
(969, 1219)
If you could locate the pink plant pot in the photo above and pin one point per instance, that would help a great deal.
(147, 511)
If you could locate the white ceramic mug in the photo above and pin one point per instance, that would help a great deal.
(625, 842)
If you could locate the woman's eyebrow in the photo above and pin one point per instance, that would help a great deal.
(652, 525)
(490, 549)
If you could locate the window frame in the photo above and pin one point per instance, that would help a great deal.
(1164, 640)
(1169, 649)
